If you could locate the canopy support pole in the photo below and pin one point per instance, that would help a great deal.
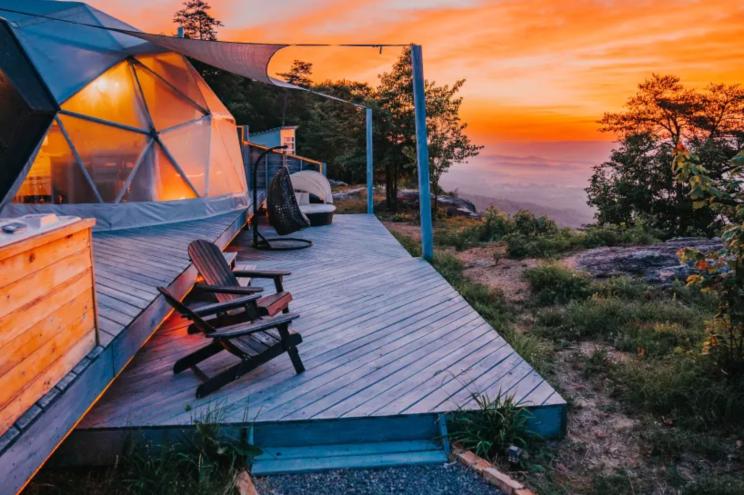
(422, 153)
(370, 164)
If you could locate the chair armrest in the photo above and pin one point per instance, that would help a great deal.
(261, 273)
(261, 325)
(276, 275)
(223, 289)
(238, 302)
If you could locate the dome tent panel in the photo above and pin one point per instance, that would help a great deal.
(215, 105)
(26, 112)
(55, 176)
(113, 97)
(189, 147)
(108, 153)
(66, 55)
(157, 179)
(130, 43)
(226, 171)
(166, 106)
(177, 71)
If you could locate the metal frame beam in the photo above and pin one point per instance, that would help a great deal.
(370, 163)
(422, 152)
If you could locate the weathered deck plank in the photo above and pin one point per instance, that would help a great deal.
(384, 335)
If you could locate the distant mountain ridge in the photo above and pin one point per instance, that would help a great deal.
(565, 217)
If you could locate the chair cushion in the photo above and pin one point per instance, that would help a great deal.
(314, 208)
(303, 198)
(313, 182)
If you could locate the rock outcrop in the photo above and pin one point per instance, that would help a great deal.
(453, 205)
(655, 263)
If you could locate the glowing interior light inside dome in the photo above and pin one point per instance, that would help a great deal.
(107, 85)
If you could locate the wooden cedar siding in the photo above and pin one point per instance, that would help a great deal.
(47, 314)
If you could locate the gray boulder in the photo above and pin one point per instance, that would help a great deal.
(655, 263)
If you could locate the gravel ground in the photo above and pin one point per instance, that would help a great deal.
(446, 479)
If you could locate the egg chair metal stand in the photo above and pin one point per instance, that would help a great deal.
(282, 210)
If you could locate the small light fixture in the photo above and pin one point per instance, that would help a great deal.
(514, 454)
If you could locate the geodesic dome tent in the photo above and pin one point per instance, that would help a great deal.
(96, 122)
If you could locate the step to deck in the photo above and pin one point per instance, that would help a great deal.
(347, 456)
(351, 443)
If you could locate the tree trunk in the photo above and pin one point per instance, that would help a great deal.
(390, 189)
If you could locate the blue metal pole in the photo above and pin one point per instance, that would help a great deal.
(370, 165)
(422, 153)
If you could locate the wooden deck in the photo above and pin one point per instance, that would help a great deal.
(384, 336)
(129, 264)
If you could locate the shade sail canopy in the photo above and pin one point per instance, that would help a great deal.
(76, 42)
(245, 59)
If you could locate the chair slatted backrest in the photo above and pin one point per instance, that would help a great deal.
(184, 310)
(211, 264)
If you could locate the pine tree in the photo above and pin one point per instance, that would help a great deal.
(196, 21)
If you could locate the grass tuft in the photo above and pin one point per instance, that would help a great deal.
(489, 431)
(554, 284)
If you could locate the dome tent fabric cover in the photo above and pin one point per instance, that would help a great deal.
(131, 134)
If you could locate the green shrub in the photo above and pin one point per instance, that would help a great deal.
(460, 238)
(554, 284)
(519, 245)
(597, 363)
(592, 318)
(682, 388)
(619, 235)
(496, 224)
(659, 339)
(526, 223)
(490, 430)
(630, 325)
(672, 443)
(623, 288)
(692, 295)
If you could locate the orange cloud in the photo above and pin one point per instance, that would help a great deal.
(536, 70)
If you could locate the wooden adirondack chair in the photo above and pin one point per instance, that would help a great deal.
(253, 342)
(223, 284)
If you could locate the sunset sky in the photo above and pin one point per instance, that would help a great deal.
(539, 73)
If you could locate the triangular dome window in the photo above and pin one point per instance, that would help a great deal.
(55, 175)
(111, 97)
(157, 179)
(166, 105)
(108, 153)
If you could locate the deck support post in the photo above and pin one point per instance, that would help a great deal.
(370, 163)
(422, 152)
